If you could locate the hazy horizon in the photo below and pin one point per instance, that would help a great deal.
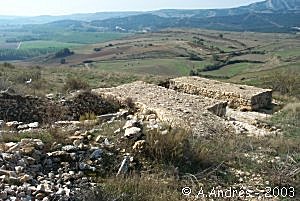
(58, 7)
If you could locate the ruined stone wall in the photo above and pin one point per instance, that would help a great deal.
(23, 108)
(238, 96)
(86, 102)
(36, 109)
(197, 114)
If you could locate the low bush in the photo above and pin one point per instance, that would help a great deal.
(286, 82)
(177, 149)
(4, 84)
(88, 116)
(63, 53)
(73, 84)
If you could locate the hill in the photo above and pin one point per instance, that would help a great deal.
(259, 22)
(266, 16)
(269, 6)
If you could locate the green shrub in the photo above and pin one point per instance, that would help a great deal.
(63, 53)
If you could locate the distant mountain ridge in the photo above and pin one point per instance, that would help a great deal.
(265, 16)
(276, 5)
(48, 18)
(269, 6)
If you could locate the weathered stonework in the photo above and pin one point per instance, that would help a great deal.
(29, 109)
(238, 96)
(87, 102)
(24, 108)
(194, 113)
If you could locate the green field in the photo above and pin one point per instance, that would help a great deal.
(289, 53)
(171, 67)
(232, 70)
(166, 53)
(46, 44)
(43, 42)
(84, 37)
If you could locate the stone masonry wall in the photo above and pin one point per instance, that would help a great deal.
(238, 96)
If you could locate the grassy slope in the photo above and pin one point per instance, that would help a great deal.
(85, 37)
(167, 53)
(40, 44)
(172, 67)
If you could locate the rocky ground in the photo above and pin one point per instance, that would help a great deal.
(62, 159)
(31, 170)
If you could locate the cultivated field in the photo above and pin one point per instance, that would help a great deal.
(249, 58)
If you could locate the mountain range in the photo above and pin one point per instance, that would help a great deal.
(265, 16)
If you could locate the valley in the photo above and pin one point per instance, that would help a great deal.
(245, 58)
(169, 104)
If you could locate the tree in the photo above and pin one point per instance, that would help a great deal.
(63, 61)
(195, 57)
(63, 53)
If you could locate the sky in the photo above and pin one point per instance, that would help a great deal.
(64, 7)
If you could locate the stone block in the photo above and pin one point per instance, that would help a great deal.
(238, 96)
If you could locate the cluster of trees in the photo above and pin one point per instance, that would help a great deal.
(22, 38)
(63, 53)
(19, 54)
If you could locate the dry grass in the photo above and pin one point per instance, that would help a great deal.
(134, 188)
(289, 119)
(73, 84)
(11, 137)
(88, 116)
(286, 82)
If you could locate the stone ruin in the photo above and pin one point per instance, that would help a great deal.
(23, 108)
(246, 98)
(198, 114)
(29, 170)
(192, 103)
(29, 109)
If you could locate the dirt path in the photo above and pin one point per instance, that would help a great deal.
(19, 45)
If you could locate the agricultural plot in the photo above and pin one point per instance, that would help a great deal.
(289, 53)
(85, 37)
(46, 44)
(42, 42)
(170, 52)
(171, 67)
(5, 45)
(232, 70)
